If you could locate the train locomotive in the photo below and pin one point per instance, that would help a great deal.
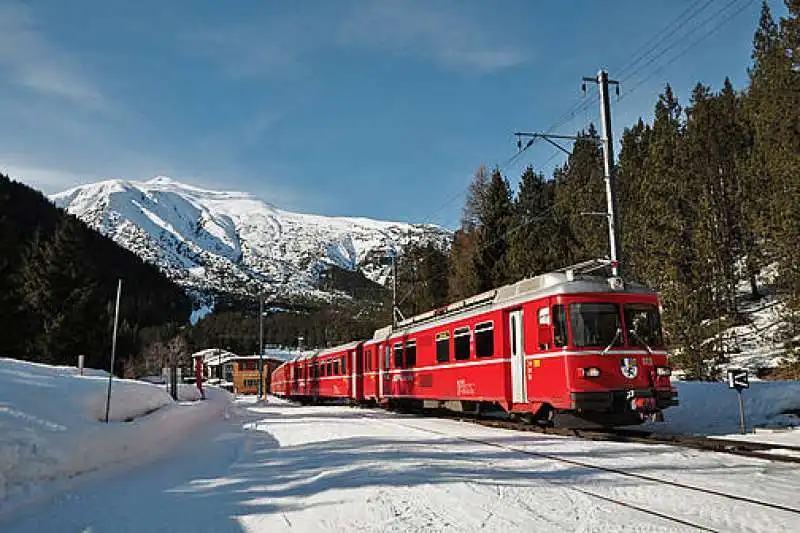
(569, 348)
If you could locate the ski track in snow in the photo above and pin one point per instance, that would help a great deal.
(279, 467)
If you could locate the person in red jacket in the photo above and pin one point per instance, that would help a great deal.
(198, 373)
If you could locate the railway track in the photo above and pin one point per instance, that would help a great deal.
(622, 473)
(757, 450)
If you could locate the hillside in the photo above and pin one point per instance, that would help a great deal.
(58, 280)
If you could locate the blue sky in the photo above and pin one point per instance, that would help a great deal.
(362, 108)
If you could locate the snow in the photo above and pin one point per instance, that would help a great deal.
(200, 313)
(755, 345)
(280, 467)
(232, 241)
(52, 429)
(711, 408)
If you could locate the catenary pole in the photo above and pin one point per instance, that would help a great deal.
(607, 143)
(113, 349)
(608, 171)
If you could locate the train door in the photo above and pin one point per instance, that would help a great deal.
(353, 354)
(518, 385)
(383, 366)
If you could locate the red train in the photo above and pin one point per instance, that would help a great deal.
(565, 348)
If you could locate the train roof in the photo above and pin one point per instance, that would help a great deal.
(326, 351)
(571, 280)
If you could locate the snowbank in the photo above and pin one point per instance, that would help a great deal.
(713, 409)
(51, 424)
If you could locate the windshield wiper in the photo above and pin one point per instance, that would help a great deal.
(613, 341)
(646, 346)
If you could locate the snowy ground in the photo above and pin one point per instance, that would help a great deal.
(757, 344)
(280, 467)
(713, 409)
(52, 425)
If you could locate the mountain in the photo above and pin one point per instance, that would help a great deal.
(232, 242)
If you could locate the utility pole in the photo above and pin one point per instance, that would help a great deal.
(608, 168)
(260, 344)
(113, 348)
(395, 309)
(394, 289)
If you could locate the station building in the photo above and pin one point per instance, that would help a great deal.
(239, 373)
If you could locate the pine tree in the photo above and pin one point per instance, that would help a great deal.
(490, 259)
(462, 281)
(714, 142)
(533, 240)
(476, 199)
(462, 278)
(668, 221)
(772, 107)
(634, 198)
(61, 291)
(580, 196)
(422, 278)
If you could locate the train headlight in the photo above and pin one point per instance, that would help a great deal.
(590, 372)
(663, 371)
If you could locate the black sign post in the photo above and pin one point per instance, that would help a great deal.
(737, 379)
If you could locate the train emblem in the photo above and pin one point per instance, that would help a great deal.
(629, 367)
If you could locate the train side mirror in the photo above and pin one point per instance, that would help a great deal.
(545, 336)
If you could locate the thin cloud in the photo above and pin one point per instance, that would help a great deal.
(47, 180)
(246, 53)
(32, 62)
(444, 35)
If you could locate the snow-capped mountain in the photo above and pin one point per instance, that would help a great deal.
(212, 241)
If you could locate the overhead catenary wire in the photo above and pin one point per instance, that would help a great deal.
(659, 43)
(661, 37)
(684, 51)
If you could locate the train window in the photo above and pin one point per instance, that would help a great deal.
(643, 323)
(595, 324)
(544, 316)
(398, 355)
(386, 356)
(443, 347)
(560, 325)
(461, 343)
(411, 354)
(330, 368)
(343, 365)
(484, 339)
(335, 367)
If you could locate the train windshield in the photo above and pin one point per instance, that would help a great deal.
(643, 323)
(595, 324)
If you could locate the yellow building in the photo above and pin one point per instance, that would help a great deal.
(239, 373)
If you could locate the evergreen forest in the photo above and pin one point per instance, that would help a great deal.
(58, 283)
